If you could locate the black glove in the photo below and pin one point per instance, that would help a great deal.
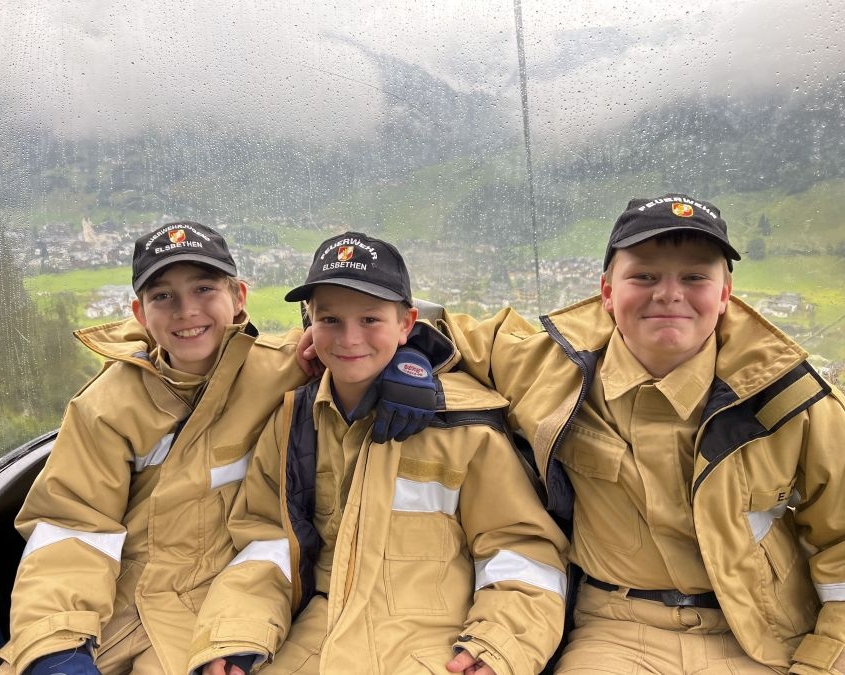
(69, 662)
(404, 396)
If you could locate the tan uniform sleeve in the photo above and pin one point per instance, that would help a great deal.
(248, 608)
(484, 345)
(72, 518)
(516, 621)
(821, 517)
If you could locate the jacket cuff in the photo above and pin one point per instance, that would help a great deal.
(228, 637)
(821, 653)
(494, 645)
(55, 633)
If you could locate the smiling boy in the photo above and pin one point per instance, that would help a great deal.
(126, 524)
(356, 357)
(429, 555)
(694, 452)
(188, 307)
(666, 296)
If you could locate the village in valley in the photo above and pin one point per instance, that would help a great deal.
(61, 247)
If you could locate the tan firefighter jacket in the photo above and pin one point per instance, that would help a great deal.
(441, 541)
(768, 490)
(127, 521)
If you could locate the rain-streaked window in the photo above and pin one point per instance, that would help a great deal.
(493, 141)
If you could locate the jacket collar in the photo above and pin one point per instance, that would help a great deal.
(684, 388)
(129, 341)
(440, 350)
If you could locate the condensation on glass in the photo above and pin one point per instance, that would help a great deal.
(493, 141)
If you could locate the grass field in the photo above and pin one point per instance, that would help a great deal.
(270, 312)
(78, 281)
(817, 278)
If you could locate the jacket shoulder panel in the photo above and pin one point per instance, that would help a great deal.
(760, 415)
(278, 342)
(437, 346)
(462, 392)
(752, 351)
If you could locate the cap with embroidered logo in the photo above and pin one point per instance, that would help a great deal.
(360, 262)
(184, 241)
(644, 219)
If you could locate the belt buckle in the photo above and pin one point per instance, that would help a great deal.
(675, 598)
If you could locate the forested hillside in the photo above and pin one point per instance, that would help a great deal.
(227, 174)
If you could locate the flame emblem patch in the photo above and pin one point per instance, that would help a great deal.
(345, 253)
(176, 236)
(682, 210)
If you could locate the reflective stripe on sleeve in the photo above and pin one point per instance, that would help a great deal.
(229, 473)
(45, 534)
(424, 497)
(156, 455)
(276, 551)
(511, 566)
(831, 592)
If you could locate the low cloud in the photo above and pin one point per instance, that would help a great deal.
(311, 69)
(735, 50)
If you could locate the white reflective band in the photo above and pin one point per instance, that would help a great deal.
(831, 592)
(510, 566)
(155, 456)
(761, 521)
(429, 497)
(45, 534)
(276, 551)
(230, 473)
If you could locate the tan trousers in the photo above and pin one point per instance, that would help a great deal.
(130, 654)
(614, 634)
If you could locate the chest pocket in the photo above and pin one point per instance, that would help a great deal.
(422, 553)
(604, 508)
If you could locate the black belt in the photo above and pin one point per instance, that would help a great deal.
(671, 598)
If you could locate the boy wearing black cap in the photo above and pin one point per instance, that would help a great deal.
(126, 525)
(429, 555)
(708, 509)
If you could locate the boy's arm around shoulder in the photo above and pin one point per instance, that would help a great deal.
(519, 360)
(821, 517)
(485, 345)
(516, 620)
(248, 607)
(273, 362)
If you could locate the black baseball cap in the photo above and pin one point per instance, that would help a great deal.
(184, 241)
(360, 262)
(647, 218)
